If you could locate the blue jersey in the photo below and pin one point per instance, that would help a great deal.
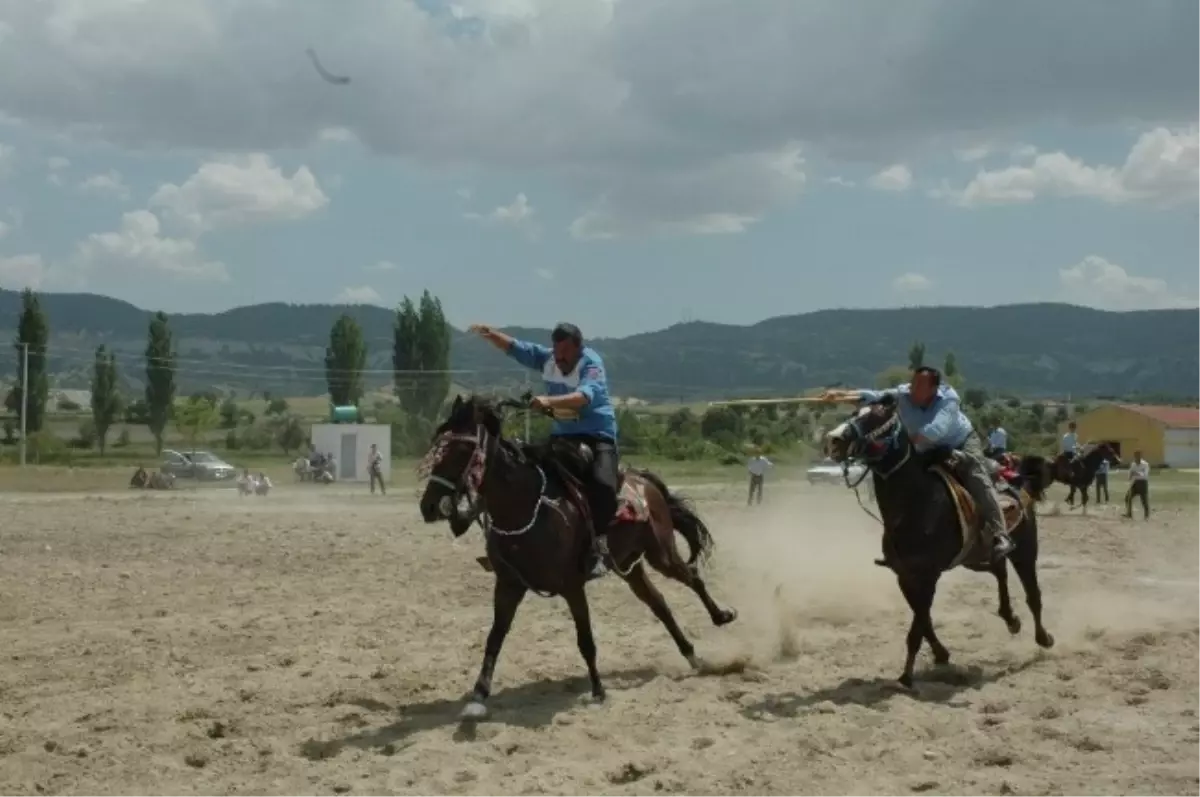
(597, 417)
(940, 425)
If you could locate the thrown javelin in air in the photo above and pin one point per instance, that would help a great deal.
(337, 80)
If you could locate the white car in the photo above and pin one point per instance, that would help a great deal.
(829, 472)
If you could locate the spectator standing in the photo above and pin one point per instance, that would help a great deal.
(1102, 483)
(1139, 485)
(757, 466)
(997, 443)
(375, 469)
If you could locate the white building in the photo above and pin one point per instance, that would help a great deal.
(350, 444)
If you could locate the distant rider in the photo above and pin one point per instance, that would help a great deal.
(933, 419)
(577, 395)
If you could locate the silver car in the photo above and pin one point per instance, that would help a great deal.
(199, 465)
(829, 472)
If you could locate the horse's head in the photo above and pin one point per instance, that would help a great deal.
(457, 456)
(1109, 454)
(867, 435)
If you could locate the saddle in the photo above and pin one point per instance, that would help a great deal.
(569, 464)
(1013, 504)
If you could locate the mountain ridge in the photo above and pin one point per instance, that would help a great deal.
(1039, 348)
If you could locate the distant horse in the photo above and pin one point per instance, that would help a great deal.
(537, 526)
(1079, 472)
(930, 524)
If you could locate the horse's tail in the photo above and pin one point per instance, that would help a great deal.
(685, 520)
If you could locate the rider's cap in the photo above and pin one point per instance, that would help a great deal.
(564, 331)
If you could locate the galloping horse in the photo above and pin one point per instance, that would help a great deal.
(1080, 472)
(930, 524)
(538, 530)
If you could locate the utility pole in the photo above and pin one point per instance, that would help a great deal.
(24, 395)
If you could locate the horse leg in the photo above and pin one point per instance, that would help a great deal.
(919, 595)
(1000, 571)
(639, 582)
(665, 558)
(1024, 559)
(578, 604)
(506, 597)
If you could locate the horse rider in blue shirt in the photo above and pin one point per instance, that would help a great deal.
(1070, 442)
(577, 396)
(997, 442)
(932, 416)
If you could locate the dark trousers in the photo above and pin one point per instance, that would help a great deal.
(1102, 488)
(601, 488)
(1141, 489)
(756, 484)
(377, 476)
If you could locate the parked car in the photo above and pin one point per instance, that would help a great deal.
(829, 472)
(199, 465)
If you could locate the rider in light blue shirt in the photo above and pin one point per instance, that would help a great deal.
(998, 441)
(938, 424)
(1070, 441)
(577, 398)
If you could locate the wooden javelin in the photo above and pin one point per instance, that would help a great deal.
(761, 402)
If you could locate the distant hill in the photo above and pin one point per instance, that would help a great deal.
(1029, 349)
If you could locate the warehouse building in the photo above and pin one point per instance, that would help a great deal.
(1167, 436)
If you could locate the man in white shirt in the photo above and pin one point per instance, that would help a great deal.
(757, 466)
(1139, 485)
(997, 442)
(1070, 442)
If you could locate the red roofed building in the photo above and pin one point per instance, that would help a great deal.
(1165, 435)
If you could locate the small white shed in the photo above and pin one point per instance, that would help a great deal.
(349, 443)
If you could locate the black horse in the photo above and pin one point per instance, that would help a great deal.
(1079, 472)
(538, 530)
(923, 531)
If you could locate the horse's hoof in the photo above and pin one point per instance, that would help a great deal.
(474, 711)
(941, 659)
(1014, 625)
(596, 697)
(725, 617)
(1044, 639)
(696, 662)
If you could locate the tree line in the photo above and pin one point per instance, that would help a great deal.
(421, 361)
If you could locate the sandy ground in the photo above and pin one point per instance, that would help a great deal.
(322, 640)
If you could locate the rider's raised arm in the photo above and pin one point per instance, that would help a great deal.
(529, 354)
(876, 396)
(945, 428)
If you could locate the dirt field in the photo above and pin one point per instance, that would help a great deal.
(322, 641)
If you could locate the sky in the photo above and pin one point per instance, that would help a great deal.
(625, 164)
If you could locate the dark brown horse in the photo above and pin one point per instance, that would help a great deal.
(537, 527)
(924, 534)
(1079, 472)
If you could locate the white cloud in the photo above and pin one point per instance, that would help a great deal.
(57, 163)
(5, 228)
(383, 265)
(1025, 152)
(518, 215)
(544, 273)
(839, 180)
(239, 190)
(109, 183)
(911, 282)
(22, 271)
(360, 294)
(7, 158)
(596, 94)
(896, 177)
(1161, 169)
(139, 244)
(1096, 282)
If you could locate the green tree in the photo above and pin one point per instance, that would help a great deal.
(106, 401)
(975, 397)
(290, 434)
(229, 414)
(160, 378)
(345, 359)
(196, 417)
(950, 366)
(916, 355)
(276, 407)
(406, 355)
(33, 331)
(433, 346)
